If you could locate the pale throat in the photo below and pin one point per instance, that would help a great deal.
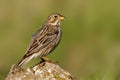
(55, 23)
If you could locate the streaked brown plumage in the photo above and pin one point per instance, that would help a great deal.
(45, 39)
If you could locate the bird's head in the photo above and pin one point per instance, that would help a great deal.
(55, 19)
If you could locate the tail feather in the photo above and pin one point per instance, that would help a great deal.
(25, 60)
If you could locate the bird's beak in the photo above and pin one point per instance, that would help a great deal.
(61, 18)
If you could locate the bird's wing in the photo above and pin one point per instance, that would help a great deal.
(39, 41)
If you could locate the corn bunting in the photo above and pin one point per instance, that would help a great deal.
(45, 39)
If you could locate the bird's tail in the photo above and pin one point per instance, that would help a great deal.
(24, 60)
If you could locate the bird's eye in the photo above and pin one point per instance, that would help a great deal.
(55, 16)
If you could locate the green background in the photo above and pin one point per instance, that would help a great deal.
(90, 46)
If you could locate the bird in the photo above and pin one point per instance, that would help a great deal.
(45, 39)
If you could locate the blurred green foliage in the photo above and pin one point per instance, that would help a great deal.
(90, 46)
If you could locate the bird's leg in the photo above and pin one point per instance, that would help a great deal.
(47, 59)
